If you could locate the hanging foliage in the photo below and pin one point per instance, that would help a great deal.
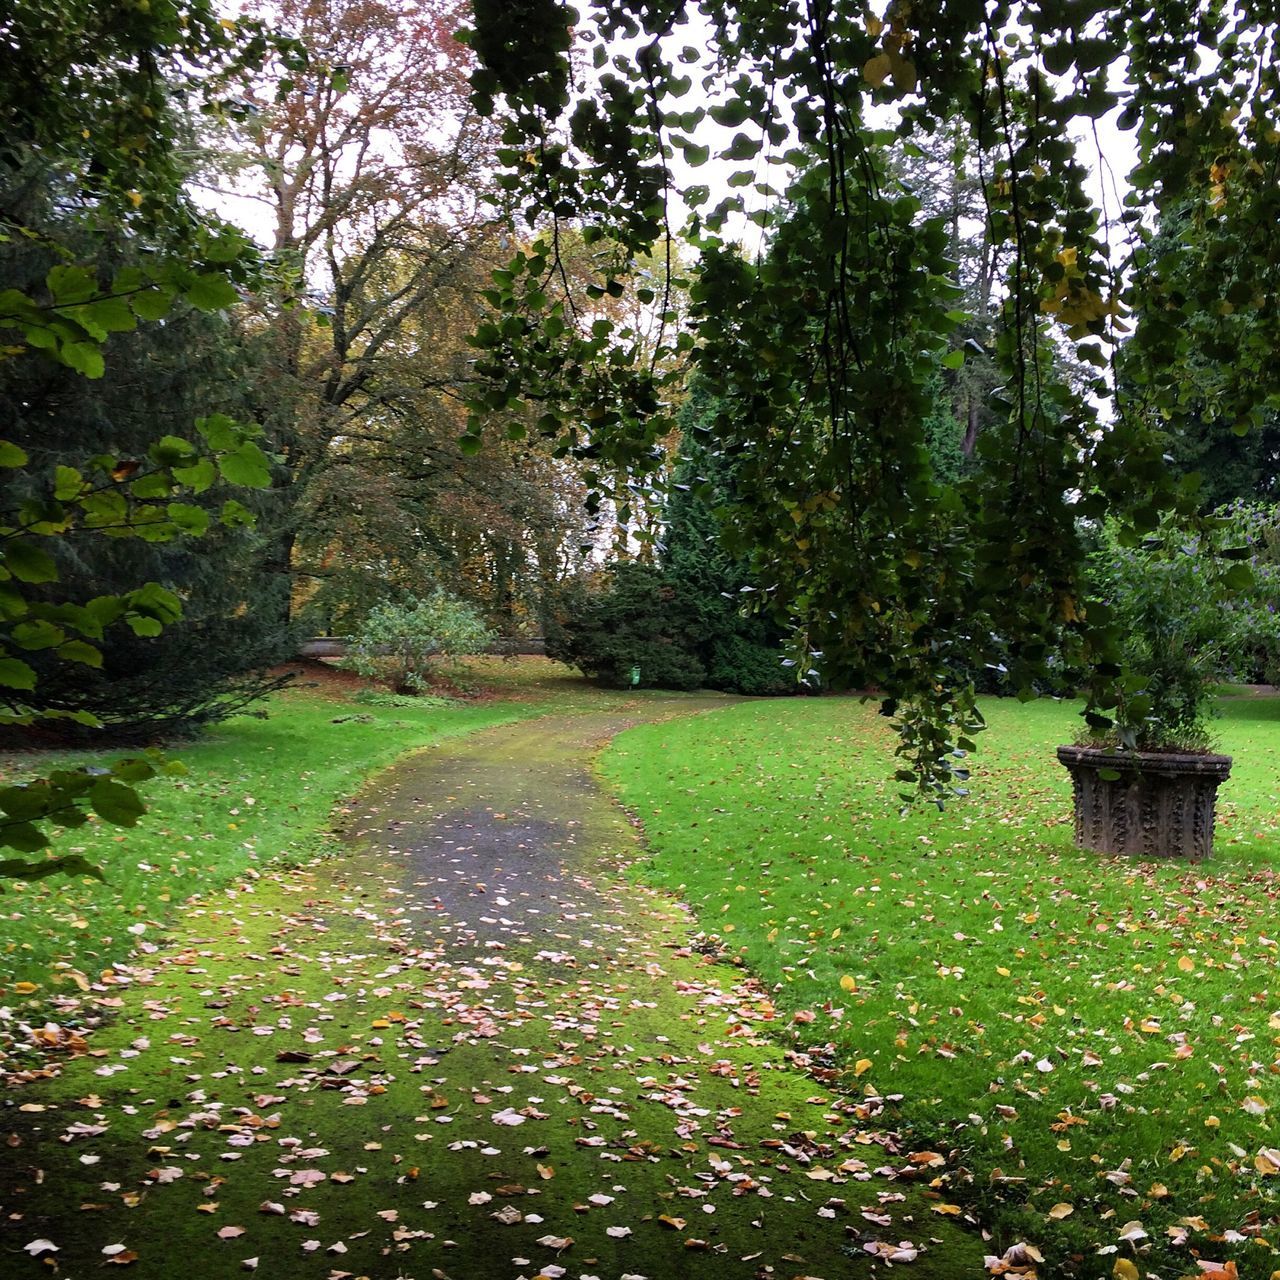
(822, 347)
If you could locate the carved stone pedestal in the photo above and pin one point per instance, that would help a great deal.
(1151, 804)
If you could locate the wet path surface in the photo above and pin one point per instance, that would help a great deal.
(500, 839)
(470, 1050)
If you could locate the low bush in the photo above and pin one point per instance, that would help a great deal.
(401, 643)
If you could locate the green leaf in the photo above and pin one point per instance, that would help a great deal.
(142, 625)
(211, 292)
(28, 563)
(1238, 578)
(116, 803)
(12, 455)
(16, 674)
(153, 485)
(235, 515)
(732, 113)
(192, 520)
(247, 466)
(953, 360)
(743, 147)
(71, 864)
(152, 304)
(198, 477)
(69, 285)
(39, 634)
(80, 651)
(133, 769)
(104, 316)
(26, 801)
(171, 450)
(83, 357)
(157, 601)
(23, 836)
(219, 431)
(68, 483)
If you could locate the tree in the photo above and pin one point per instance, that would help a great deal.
(209, 662)
(677, 620)
(370, 172)
(87, 104)
(824, 347)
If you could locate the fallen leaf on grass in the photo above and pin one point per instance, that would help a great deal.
(558, 1243)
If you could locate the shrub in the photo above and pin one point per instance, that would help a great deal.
(1190, 611)
(743, 665)
(399, 643)
(636, 619)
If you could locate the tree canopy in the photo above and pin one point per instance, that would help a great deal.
(822, 346)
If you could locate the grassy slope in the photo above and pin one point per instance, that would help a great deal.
(1086, 1032)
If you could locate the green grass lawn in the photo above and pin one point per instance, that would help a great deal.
(258, 791)
(1095, 1039)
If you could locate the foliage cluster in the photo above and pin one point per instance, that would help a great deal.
(647, 619)
(821, 350)
(681, 621)
(99, 237)
(402, 643)
(1185, 623)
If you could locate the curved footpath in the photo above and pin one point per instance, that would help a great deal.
(471, 1049)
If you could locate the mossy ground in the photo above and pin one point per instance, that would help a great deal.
(351, 1041)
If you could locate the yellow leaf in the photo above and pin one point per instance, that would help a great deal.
(876, 70)
(848, 984)
(1062, 1210)
(862, 1066)
(546, 1172)
(1124, 1270)
(952, 1209)
(25, 988)
(379, 1024)
(1002, 971)
(1186, 964)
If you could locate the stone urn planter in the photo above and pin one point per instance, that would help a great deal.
(1150, 803)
